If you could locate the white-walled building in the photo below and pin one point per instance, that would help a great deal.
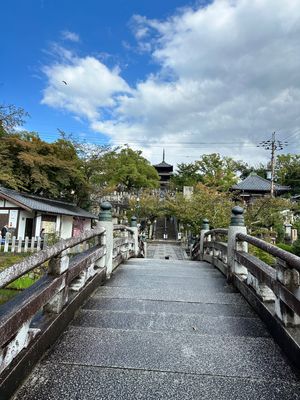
(26, 214)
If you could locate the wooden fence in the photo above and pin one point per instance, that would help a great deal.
(18, 245)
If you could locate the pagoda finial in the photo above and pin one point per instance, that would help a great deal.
(163, 155)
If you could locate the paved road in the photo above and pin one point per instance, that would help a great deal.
(164, 329)
(163, 249)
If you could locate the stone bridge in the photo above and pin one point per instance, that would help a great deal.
(106, 324)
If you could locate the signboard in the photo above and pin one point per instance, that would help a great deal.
(13, 218)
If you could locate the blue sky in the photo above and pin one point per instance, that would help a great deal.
(192, 76)
(31, 27)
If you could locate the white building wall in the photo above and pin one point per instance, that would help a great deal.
(6, 203)
(38, 225)
(66, 226)
(58, 225)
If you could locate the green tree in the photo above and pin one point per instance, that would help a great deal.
(204, 203)
(218, 172)
(11, 117)
(186, 175)
(288, 171)
(265, 214)
(128, 168)
(49, 169)
(147, 206)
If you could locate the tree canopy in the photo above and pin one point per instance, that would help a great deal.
(212, 170)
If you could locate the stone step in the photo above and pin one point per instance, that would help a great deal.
(59, 382)
(159, 282)
(174, 307)
(167, 322)
(240, 357)
(166, 294)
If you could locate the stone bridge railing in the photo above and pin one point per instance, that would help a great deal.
(33, 319)
(274, 291)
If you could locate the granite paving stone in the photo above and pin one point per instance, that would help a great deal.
(156, 282)
(179, 307)
(196, 324)
(169, 294)
(164, 329)
(257, 357)
(75, 382)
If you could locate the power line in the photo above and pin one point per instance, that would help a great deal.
(273, 145)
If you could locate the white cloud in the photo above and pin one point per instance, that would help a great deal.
(90, 86)
(229, 72)
(71, 36)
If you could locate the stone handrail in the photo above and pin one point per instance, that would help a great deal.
(291, 259)
(123, 247)
(51, 293)
(273, 290)
(17, 270)
(28, 318)
(217, 231)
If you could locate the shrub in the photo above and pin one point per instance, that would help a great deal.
(296, 247)
(286, 247)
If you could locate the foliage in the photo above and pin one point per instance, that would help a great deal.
(8, 259)
(218, 172)
(128, 168)
(11, 117)
(149, 206)
(288, 171)
(186, 175)
(262, 255)
(204, 203)
(296, 247)
(49, 169)
(211, 169)
(286, 247)
(265, 212)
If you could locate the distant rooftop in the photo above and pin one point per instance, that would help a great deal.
(37, 203)
(163, 163)
(255, 183)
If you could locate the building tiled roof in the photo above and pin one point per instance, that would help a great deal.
(255, 183)
(37, 203)
(163, 164)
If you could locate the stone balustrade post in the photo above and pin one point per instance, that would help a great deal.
(204, 229)
(237, 225)
(290, 278)
(57, 266)
(105, 221)
(133, 225)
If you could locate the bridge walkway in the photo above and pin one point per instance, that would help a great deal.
(164, 329)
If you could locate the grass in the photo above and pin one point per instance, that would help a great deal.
(8, 259)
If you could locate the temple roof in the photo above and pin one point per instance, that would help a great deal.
(37, 203)
(163, 164)
(255, 183)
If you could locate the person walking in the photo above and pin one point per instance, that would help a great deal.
(4, 231)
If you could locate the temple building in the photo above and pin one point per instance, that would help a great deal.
(255, 186)
(165, 171)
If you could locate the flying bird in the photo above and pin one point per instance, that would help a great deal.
(64, 82)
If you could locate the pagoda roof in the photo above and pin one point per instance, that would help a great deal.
(162, 164)
(255, 183)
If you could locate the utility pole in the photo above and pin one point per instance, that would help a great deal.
(273, 145)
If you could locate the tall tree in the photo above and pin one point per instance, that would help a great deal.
(288, 171)
(49, 169)
(204, 203)
(130, 169)
(11, 117)
(187, 174)
(218, 172)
